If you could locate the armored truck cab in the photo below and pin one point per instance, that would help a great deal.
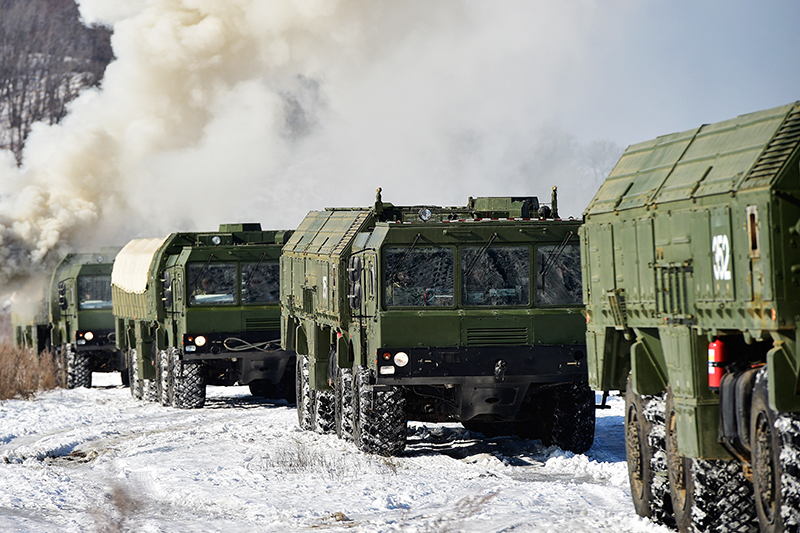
(691, 271)
(431, 313)
(82, 324)
(202, 308)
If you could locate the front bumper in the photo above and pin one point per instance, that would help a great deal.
(101, 341)
(484, 365)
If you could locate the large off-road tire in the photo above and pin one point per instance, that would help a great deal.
(343, 392)
(324, 411)
(707, 496)
(133, 375)
(569, 417)
(79, 372)
(325, 406)
(163, 381)
(646, 456)
(150, 390)
(304, 394)
(653, 410)
(189, 383)
(379, 425)
(775, 446)
(637, 452)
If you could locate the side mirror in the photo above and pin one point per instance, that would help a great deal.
(354, 281)
(166, 285)
(354, 268)
(62, 295)
(354, 295)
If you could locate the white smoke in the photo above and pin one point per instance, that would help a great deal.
(247, 110)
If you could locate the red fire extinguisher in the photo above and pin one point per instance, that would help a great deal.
(717, 359)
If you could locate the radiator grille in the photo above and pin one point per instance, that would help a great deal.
(497, 336)
(261, 324)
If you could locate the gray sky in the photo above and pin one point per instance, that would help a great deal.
(673, 65)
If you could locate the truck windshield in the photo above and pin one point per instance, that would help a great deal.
(94, 291)
(418, 277)
(558, 275)
(260, 283)
(212, 283)
(499, 276)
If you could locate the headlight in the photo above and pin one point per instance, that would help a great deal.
(200, 340)
(89, 336)
(401, 358)
(191, 348)
(386, 370)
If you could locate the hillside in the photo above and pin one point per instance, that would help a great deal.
(47, 57)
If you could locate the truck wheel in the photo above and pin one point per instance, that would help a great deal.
(325, 406)
(133, 376)
(343, 390)
(189, 384)
(379, 424)
(637, 451)
(150, 390)
(162, 378)
(324, 411)
(305, 396)
(775, 444)
(79, 373)
(653, 411)
(569, 417)
(646, 456)
(707, 495)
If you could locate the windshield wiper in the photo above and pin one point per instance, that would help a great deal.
(551, 259)
(398, 265)
(253, 272)
(482, 251)
(200, 275)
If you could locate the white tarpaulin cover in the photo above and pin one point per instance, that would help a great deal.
(133, 264)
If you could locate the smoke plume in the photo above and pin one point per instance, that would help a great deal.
(243, 110)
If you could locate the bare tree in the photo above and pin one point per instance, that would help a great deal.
(601, 156)
(47, 56)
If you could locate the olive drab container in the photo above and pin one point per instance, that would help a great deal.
(691, 269)
(469, 314)
(193, 309)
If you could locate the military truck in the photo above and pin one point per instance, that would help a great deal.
(691, 271)
(193, 309)
(427, 313)
(31, 327)
(79, 312)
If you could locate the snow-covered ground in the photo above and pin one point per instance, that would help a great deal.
(97, 460)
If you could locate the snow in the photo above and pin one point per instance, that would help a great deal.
(97, 460)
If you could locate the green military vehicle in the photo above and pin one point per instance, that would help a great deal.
(691, 271)
(79, 312)
(194, 309)
(31, 327)
(470, 314)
